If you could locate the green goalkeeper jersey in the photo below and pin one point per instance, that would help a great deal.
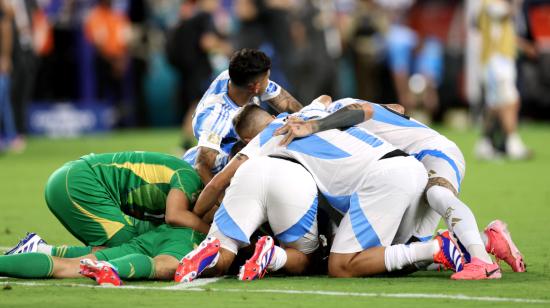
(140, 181)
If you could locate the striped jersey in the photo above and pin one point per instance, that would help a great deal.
(338, 160)
(212, 119)
(403, 132)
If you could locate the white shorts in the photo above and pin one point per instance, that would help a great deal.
(499, 76)
(273, 190)
(419, 221)
(444, 162)
(377, 209)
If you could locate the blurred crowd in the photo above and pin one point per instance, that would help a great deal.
(152, 59)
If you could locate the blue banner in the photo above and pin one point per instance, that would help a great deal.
(66, 120)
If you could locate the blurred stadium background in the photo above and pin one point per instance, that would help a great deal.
(80, 66)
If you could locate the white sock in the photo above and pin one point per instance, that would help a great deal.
(459, 219)
(44, 248)
(398, 256)
(484, 238)
(278, 260)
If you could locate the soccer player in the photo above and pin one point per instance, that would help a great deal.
(246, 81)
(498, 53)
(374, 185)
(265, 189)
(108, 199)
(444, 163)
(152, 255)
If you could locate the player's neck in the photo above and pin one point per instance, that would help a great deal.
(239, 96)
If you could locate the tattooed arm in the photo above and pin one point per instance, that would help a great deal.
(284, 102)
(215, 189)
(347, 116)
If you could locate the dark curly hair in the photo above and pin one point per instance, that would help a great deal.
(246, 65)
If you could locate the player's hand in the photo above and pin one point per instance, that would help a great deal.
(294, 128)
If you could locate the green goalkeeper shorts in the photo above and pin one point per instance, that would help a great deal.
(87, 210)
(164, 240)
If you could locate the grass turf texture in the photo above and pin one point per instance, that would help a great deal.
(516, 192)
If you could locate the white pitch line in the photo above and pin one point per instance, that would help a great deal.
(193, 284)
(395, 295)
(202, 282)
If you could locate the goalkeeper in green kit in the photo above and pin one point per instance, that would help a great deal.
(116, 200)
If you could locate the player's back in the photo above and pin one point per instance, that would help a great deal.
(140, 181)
(403, 132)
(339, 160)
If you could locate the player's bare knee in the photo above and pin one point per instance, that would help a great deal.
(165, 267)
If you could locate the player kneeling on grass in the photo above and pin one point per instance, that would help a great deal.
(275, 190)
(445, 165)
(152, 255)
(108, 199)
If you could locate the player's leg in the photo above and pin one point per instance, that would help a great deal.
(290, 199)
(241, 213)
(136, 227)
(373, 219)
(178, 243)
(32, 242)
(503, 101)
(292, 214)
(39, 265)
(131, 260)
(446, 170)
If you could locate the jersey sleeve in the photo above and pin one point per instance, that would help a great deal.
(188, 181)
(213, 124)
(339, 104)
(313, 110)
(272, 91)
(314, 106)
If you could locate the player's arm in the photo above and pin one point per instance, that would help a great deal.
(206, 158)
(214, 190)
(285, 102)
(345, 117)
(178, 214)
(395, 107)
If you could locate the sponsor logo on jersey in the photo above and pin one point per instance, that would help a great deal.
(214, 138)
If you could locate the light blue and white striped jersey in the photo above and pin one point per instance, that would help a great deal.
(403, 132)
(212, 119)
(339, 160)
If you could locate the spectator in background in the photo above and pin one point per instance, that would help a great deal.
(8, 132)
(363, 26)
(416, 58)
(188, 49)
(316, 45)
(498, 60)
(24, 65)
(138, 14)
(109, 32)
(265, 25)
(534, 61)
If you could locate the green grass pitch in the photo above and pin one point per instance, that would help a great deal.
(516, 192)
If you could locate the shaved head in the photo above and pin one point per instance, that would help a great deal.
(250, 121)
